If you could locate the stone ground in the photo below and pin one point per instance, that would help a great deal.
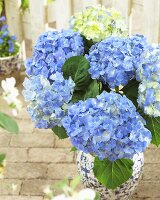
(36, 158)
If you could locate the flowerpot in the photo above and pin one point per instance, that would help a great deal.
(85, 163)
(9, 64)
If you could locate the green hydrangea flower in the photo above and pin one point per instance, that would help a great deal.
(96, 23)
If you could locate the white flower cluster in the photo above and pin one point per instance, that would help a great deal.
(10, 94)
(69, 192)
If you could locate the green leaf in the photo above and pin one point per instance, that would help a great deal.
(89, 92)
(98, 197)
(60, 132)
(77, 67)
(153, 124)
(61, 184)
(24, 5)
(2, 157)
(73, 149)
(7, 123)
(87, 44)
(131, 91)
(75, 182)
(112, 174)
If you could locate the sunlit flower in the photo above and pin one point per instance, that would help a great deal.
(10, 94)
(51, 51)
(115, 60)
(96, 23)
(107, 126)
(47, 101)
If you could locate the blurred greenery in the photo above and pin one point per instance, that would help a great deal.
(24, 5)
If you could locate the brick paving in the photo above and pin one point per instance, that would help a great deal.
(37, 158)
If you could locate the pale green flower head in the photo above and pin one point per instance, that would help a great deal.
(96, 23)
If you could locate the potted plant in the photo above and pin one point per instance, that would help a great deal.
(9, 50)
(98, 86)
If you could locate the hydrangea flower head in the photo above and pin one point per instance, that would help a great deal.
(115, 60)
(149, 75)
(96, 23)
(149, 97)
(150, 68)
(107, 126)
(53, 48)
(48, 101)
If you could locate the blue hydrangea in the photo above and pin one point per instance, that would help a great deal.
(2, 18)
(53, 48)
(48, 102)
(107, 126)
(149, 97)
(115, 60)
(149, 89)
(150, 68)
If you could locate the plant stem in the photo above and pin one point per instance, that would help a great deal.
(117, 89)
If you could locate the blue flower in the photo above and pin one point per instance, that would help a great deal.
(47, 102)
(149, 97)
(150, 68)
(115, 60)
(149, 89)
(4, 27)
(53, 48)
(1, 40)
(2, 18)
(11, 49)
(5, 33)
(107, 126)
(13, 37)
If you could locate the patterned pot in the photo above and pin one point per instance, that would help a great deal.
(85, 163)
(9, 64)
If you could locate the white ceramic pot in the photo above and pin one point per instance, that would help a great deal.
(85, 163)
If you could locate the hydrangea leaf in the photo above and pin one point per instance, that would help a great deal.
(60, 132)
(112, 174)
(7, 123)
(131, 91)
(77, 67)
(73, 149)
(89, 92)
(75, 182)
(153, 124)
(87, 44)
(2, 157)
(97, 196)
